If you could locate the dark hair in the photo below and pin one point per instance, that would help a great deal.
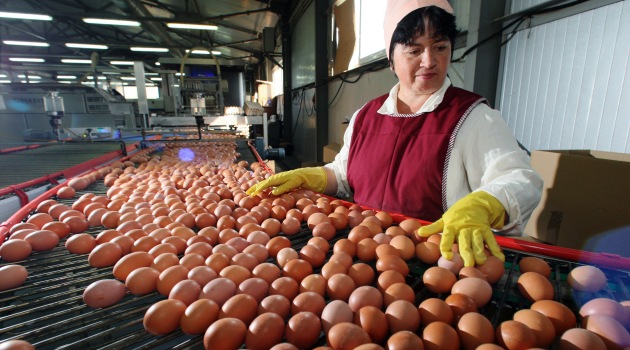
(440, 23)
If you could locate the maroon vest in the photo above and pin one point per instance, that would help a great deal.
(398, 163)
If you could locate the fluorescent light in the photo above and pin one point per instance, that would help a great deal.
(65, 82)
(113, 22)
(72, 60)
(122, 63)
(22, 76)
(112, 73)
(87, 46)
(151, 74)
(99, 78)
(127, 78)
(3, 75)
(157, 63)
(204, 52)
(156, 79)
(25, 43)
(191, 26)
(217, 53)
(20, 59)
(5, 81)
(33, 16)
(179, 74)
(148, 49)
(66, 77)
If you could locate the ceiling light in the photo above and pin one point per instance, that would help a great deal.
(217, 53)
(156, 79)
(148, 49)
(66, 77)
(87, 46)
(72, 60)
(25, 43)
(127, 78)
(113, 22)
(180, 74)
(5, 81)
(20, 59)
(122, 63)
(22, 76)
(191, 26)
(157, 63)
(3, 75)
(17, 15)
(113, 73)
(99, 78)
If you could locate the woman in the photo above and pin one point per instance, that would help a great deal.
(427, 149)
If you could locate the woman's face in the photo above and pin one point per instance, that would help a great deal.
(421, 67)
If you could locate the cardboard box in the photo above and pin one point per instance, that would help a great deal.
(330, 151)
(585, 194)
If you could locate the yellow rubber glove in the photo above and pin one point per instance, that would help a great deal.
(470, 221)
(313, 179)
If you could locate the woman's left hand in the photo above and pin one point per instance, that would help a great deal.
(470, 221)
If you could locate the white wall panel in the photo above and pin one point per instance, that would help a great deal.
(520, 5)
(565, 83)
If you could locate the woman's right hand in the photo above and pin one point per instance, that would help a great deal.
(314, 179)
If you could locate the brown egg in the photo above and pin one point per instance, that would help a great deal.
(266, 330)
(320, 243)
(478, 289)
(276, 244)
(405, 246)
(469, 271)
(241, 306)
(107, 236)
(42, 240)
(493, 268)
(131, 262)
(285, 286)
(410, 225)
(399, 291)
(345, 259)
(340, 286)
(373, 321)
(335, 312)
(256, 287)
(404, 340)
(438, 279)
(12, 276)
(278, 304)
(347, 335)
(62, 229)
(460, 304)
(164, 316)
(428, 253)
(170, 277)
(388, 278)
(297, 269)
(359, 233)
(587, 279)
(258, 251)
(39, 219)
(581, 339)
(362, 274)
(534, 287)
(303, 330)
(435, 309)
(187, 291)
(534, 264)
(607, 307)
(313, 283)
(366, 249)
(217, 261)
(515, 335)
(365, 296)
(454, 265)
(392, 262)
(539, 324)
(345, 245)
(312, 255)
(613, 333)
(229, 251)
(236, 273)
(16, 344)
(104, 293)
(267, 271)
(106, 254)
(382, 238)
(125, 243)
(202, 275)
(308, 302)
(290, 226)
(199, 316)
(440, 336)
(218, 290)
(474, 329)
(227, 333)
(15, 250)
(402, 315)
(560, 315)
(142, 280)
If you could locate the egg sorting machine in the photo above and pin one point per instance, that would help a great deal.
(25, 118)
(49, 312)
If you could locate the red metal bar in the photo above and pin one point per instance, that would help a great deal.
(18, 148)
(260, 160)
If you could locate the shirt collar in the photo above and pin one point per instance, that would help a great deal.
(390, 105)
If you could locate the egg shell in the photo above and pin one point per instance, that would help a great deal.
(125, 243)
(104, 293)
(187, 291)
(438, 279)
(245, 260)
(515, 335)
(587, 279)
(402, 315)
(392, 262)
(267, 271)
(39, 219)
(474, 329)
(285, 286)
(217, 261)
(142, 280)
(362, 274)
(440, 336)
(164, 316)
(313, 283)
(478, 289)
(15, 250)
(81, 243)
(435, 309)
(265, 331)
(303, 330)
(241, 306)
(202, 275)
(16, 344)
(256, 287)
(493, 268)
(581, 339)
(534, 286)
(106, 254)
(308, 302)
(404, 340)
(607, 307)
(199, 316)
(170, 277)
(218, 290)
(560, 315)
(107, 235)
(278, 304)
(345, 245)
(454, 264)
(12, 276)
(236, 273)
(613, 333)
(297, 269)
(534, 264)
(428, 253)
(340, 286)
(540, 324)
(347, 336)
(460, 304)
(336, 311)
(276, 244)
(131, 262)
(259, 251)
(405, 246)
(62, 229)
(313, 255)
(373, 321)
(42, 240)
(399, 291)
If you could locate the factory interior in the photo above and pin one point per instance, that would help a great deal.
(136, 137)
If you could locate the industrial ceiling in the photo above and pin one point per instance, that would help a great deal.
(238, 40)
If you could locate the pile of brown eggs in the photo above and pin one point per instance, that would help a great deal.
(227, 269)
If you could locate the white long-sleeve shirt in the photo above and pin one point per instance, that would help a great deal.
(485, 156)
